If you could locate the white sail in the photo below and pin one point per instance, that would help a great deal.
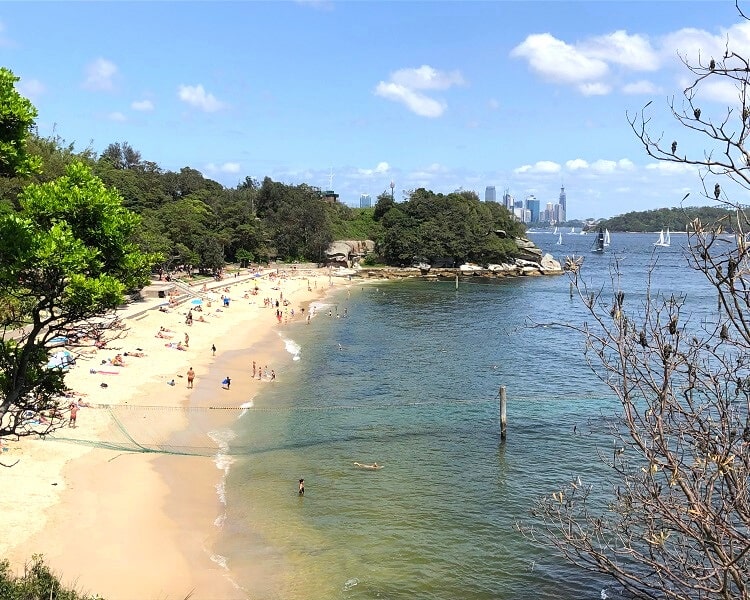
(559, 240)
(606, 237)
(663, 240)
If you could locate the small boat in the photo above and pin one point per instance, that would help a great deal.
(470, 267)
(664, 240)
(606, 238)
(572, 230)
(559, 240)
(599, 242)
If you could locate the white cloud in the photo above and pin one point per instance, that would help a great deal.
(422, 105)
(722, 91)
(380, 169)
(595, 89)
(558, 62)
(426, 78)
(117, 116)
(542, 166)
(407, 87)
(31, 88)
(196, 96)
(633, 52)
(671, 168)
(142, 105)
(577, 164)
(100, 75)
(429, 173)
(227, 167)
(640, 87)
(604, 166)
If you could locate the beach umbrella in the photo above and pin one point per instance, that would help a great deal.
(196, 301)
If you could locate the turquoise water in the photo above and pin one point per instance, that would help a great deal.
(409, 378)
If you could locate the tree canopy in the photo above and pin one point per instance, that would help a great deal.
(454, 228)
(677, 219)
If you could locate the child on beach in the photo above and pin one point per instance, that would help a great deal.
(226, 383)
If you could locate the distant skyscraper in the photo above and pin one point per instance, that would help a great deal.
(508, 201)
(562, 202)
(489, 194)
(365, 201)
(532, 204)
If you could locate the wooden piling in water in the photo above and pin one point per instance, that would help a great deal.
(571, 290)
(503, 414)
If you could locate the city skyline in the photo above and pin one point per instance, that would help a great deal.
(517, 95)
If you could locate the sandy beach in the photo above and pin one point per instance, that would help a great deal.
(124, 523)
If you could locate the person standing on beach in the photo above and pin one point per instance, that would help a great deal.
(273, 374)
(73, 414)
(190, 376)
(213, 349)
(301, 487)
(255, 370)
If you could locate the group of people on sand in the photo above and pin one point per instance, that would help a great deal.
(264, 372)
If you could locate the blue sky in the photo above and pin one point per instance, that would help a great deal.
(444, 95)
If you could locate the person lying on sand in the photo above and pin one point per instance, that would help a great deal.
(372, 467)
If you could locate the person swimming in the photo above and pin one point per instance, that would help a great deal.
(373, 467)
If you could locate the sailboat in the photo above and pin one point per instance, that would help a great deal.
(606, 238)
(572, 230)
(664, 239)
(599, 242)
(555, 231)
(559, 240)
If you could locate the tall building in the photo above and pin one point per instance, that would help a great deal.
(508, 201)
(365, 201)
(489, 194)
(532, 204)
(563, 200)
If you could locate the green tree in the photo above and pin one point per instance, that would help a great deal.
(66, 257)
(17, 116)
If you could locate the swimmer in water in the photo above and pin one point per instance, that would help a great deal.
(372, 467)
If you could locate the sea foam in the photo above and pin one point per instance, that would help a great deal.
(292, 347)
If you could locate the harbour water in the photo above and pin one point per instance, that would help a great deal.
(408, 376)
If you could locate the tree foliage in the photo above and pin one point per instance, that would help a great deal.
(66, 256)
(675, 520)
(677, 219)
(36, 582)
(454, 227)
(17, 116)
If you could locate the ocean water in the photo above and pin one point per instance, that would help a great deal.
(408, 376)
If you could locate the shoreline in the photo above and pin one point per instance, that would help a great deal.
(155, 513)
